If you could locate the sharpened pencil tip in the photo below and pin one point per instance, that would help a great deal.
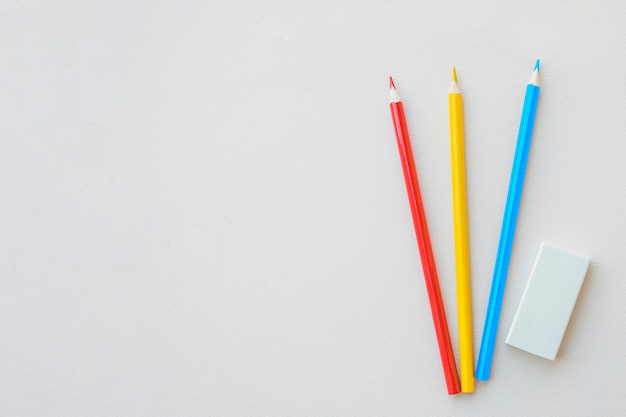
(391, 84)
(454, 75)
(536, 66)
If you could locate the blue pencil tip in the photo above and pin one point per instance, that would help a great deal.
(536, 66)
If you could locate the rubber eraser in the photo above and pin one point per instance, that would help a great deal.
(548, 301)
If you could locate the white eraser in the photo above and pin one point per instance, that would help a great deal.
(548, 300)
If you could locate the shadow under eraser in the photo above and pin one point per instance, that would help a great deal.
(548, 301)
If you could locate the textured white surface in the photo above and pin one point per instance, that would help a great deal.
(203, 211)
(547, 301)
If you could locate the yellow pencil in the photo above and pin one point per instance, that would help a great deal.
(461, 236)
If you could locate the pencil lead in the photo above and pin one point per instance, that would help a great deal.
(536, 66)
(391, 84)
(454, 75)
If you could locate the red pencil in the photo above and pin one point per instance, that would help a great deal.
(423, 241)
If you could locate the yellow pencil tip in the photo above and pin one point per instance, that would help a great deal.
(454, 75)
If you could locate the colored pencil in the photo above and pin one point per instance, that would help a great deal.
(507, 232)
(461, 236)
(423, 241)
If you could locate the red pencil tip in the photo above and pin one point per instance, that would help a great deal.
(391, 84)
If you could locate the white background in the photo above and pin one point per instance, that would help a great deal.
(202, 210)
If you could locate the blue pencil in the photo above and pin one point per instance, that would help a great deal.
(483, 367)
